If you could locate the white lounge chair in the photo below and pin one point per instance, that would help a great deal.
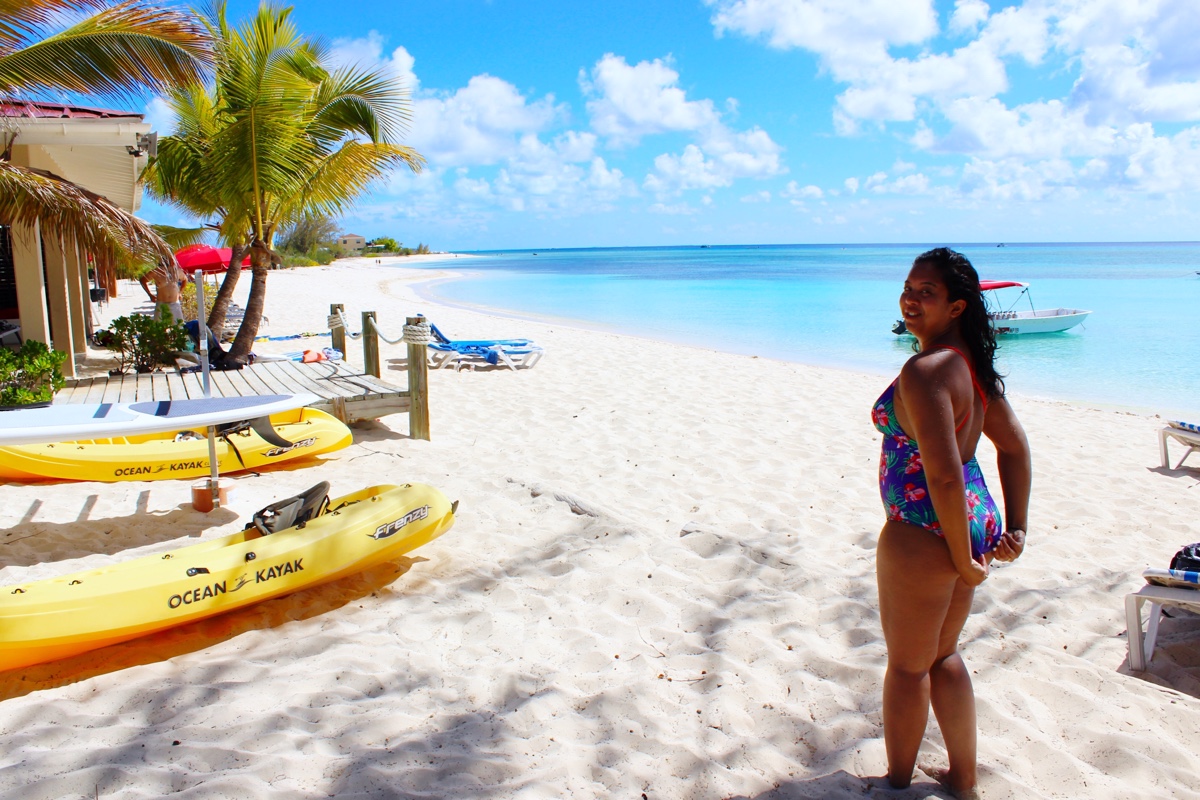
(10, 329)
(1185, 433)
(1164, 587)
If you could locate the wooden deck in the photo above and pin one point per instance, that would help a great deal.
(346, 394)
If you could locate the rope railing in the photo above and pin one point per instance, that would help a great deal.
(417, 334)
(420, 333)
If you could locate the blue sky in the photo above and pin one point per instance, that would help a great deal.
(576, 124)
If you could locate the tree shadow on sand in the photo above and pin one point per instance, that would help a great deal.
(116, 533)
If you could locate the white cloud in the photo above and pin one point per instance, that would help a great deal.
(630, 102)
(676, 209)
(758, 197)
(794, 191)
(850, 36)
(851, 185)
(481, 123)
(368, 52)
(968, 15)
(159, 115)
(1135, 60)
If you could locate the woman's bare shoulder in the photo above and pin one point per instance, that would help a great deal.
(934, 365)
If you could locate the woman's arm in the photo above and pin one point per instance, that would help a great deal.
(926, 389)
(1015, 466)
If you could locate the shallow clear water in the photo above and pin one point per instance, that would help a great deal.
(835, 305)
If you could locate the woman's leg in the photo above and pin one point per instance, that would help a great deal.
(917, 582)
(952, 696)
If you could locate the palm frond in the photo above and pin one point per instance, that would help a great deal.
(339, 178)
(119, 50)
(177, 238)
(369, 103)
(22, 19)
(66, 209)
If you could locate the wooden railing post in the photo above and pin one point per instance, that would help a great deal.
(418, 386)
(370, 344)
(339, 334)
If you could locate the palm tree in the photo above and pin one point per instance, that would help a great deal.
(99, 48)
(280, 136)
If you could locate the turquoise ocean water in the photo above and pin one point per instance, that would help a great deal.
(834, 305)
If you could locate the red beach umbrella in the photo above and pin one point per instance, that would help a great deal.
(206, 258)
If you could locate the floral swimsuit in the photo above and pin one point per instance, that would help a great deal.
(902, 481)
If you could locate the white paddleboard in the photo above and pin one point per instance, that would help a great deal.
(70, 422)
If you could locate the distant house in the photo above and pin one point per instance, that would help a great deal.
(352, 242)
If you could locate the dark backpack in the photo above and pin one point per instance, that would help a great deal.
(1188, 558)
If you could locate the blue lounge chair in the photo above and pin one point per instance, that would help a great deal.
(444, 339)
(469, 353)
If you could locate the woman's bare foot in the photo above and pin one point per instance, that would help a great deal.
(943, 777)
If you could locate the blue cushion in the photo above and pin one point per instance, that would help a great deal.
(1187, 426)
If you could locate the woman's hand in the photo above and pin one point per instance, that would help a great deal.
(975, 573)
(1010, 546)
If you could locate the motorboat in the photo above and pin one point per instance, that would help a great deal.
(1007, 321)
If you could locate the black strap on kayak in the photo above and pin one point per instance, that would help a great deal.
(260, 425)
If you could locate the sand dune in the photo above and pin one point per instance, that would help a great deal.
(660, 584)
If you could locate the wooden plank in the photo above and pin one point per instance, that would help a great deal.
(96, 390)
(254, 378)
(221, 385)
(175, 388)
(268, 379)
(75, 392)
(238, 382)
(333, 380)
(280, 379)
(374, 408)
(112, 390)
(158, 386)
(192, 385)
(353, 383)
(296, 380)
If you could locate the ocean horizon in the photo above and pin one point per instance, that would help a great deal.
(834, 305)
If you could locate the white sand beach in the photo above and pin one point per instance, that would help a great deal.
(660, 585)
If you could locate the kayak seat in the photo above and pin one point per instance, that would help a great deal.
(293, 511)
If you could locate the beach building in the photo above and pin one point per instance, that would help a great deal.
(44, 281)
(352, 243)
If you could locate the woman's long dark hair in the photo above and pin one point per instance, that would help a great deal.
(962, 283)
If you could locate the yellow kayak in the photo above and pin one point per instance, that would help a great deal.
(59, 617)
(173, 455)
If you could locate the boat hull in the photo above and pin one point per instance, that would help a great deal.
(1052, 320)
(1012, 323)
(160, 456)
(55, 618)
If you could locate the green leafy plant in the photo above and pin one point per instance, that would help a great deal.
(142, 342)
(30, 375)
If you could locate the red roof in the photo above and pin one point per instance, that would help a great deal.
(987, 286)
(11, 107)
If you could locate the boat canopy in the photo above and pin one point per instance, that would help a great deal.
(987, 286)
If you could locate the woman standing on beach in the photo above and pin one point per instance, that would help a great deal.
(942, 527)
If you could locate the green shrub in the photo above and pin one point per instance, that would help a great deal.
(143, 342)
(297, 260)
(188, 300)
(30, 375)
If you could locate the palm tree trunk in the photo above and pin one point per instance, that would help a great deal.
(260, 262)
(216, 319)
